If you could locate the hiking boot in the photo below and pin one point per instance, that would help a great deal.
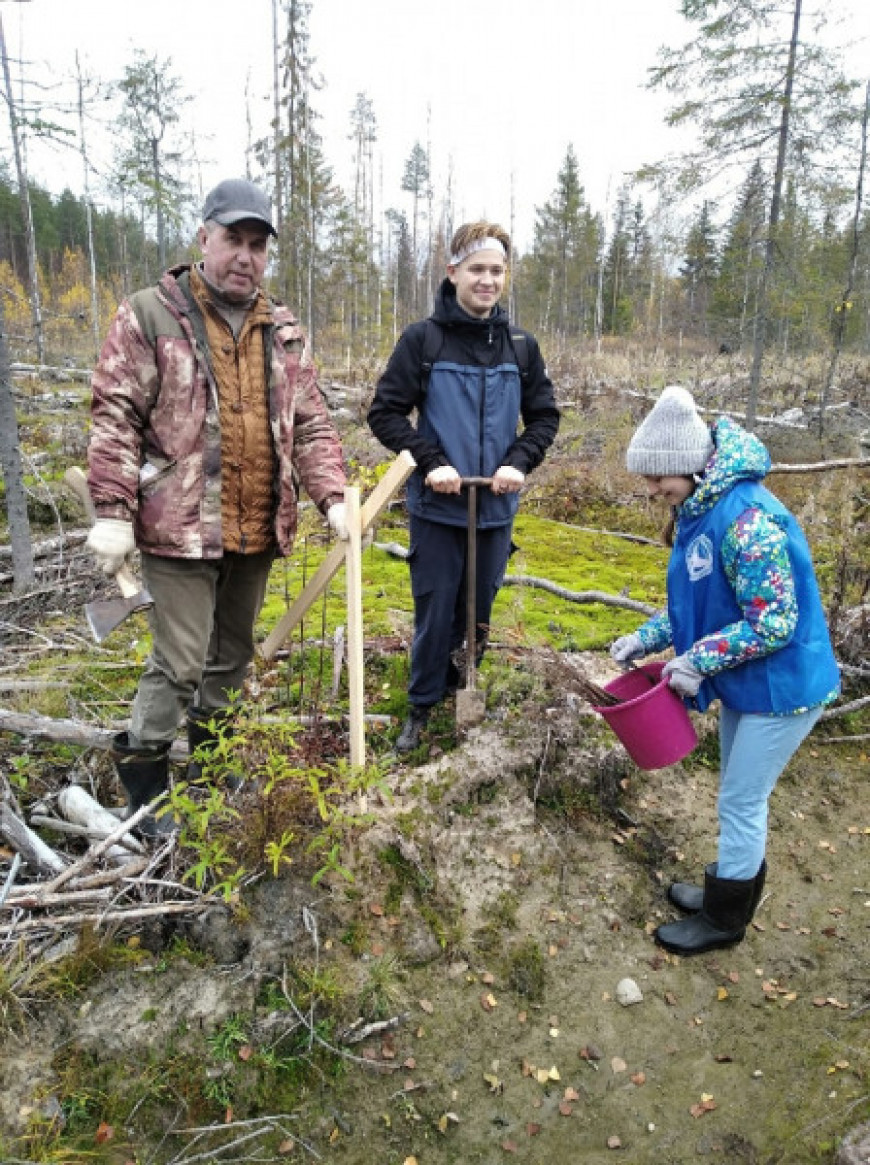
(409, 737)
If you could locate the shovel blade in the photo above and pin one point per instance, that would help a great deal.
(470, 708)
(104, 615)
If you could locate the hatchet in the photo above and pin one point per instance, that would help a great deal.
(104, 615)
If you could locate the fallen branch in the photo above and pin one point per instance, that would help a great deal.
(80, 808)
(842, 709)
(822, 466)
(99, 848)
(41, 858)
(34, 900)
(544, 584)
(356, 1034)
(122, 914)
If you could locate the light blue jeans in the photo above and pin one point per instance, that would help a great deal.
(754, 751)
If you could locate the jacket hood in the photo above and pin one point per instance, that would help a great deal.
(738, 456)
(448, 312)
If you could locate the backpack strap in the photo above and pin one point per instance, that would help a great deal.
(433, 342)
(519, 341)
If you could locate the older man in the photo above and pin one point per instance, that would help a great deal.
(205, 408)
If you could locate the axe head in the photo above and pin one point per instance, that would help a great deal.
(104, 615)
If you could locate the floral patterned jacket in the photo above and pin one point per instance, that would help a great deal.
(755, 560)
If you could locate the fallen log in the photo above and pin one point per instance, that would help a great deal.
(79, 807)
(49, 547)
(822, 466)
(41, 858)
(74, 732)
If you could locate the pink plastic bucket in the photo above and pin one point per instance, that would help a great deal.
(652, 721)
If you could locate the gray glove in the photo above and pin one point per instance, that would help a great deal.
(682, 676)
(627, 648)
(110, 541)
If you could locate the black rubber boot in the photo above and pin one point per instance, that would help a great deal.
(720, 922)
(204, 732)
(690, 898)
(409, 737)
(144, 774)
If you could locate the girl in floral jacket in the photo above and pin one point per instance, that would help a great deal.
(746, 622)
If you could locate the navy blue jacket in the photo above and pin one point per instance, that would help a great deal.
(469, 413)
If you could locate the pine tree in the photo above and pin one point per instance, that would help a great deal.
(557, 286)
(415, 181)
(150, 157)
(735, 293)
(699, 269)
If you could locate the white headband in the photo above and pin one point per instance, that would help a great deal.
(487, 244)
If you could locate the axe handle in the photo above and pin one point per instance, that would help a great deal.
(77, 482)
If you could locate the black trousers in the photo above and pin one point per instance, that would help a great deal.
(437, 561)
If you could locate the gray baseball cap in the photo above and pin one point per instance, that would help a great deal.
(237, 200)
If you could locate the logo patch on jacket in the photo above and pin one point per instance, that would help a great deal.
(699, 558)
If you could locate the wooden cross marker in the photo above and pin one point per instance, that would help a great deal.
(359, 520)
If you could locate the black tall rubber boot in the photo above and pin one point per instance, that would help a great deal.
(144, 774)
(721, 921)
(204, 732)
(690, 898)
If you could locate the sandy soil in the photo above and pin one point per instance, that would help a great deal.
(543, 856)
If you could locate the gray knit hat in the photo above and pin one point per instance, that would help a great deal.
(672, 440)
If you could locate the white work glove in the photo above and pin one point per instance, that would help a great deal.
(110, 541)
(444, 480)
(627, 648)
(507, 480)
(336, 515)
(682, 676)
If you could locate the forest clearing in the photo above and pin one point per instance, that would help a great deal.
(445, 955)
(447, 958)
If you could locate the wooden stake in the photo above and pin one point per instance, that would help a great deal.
(353, 579)
(395, 477)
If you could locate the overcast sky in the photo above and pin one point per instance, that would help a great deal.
(499, 89)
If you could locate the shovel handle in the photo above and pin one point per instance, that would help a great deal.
(467, 481)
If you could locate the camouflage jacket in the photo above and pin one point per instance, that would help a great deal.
(155, 445)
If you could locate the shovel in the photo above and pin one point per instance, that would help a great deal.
(471, 703)
(104, 615)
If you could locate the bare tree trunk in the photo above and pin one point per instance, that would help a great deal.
(26, 209)
(24, 575)
(845, 303)
(761, 317)
(89, 212)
